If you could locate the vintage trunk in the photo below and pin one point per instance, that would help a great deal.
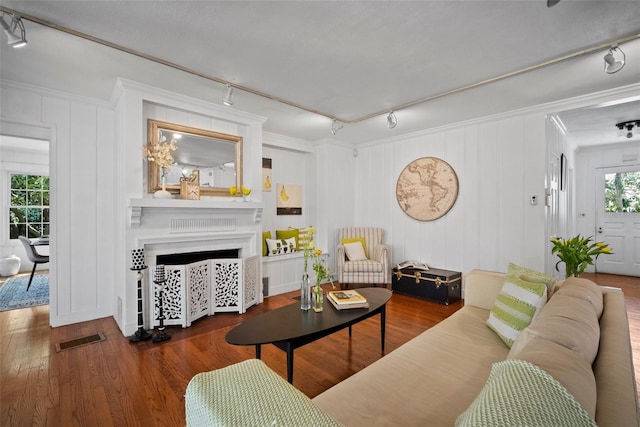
(441, 286)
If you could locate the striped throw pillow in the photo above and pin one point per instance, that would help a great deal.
(304, 237)
(516, 306)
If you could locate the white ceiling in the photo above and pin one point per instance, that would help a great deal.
(345, 59)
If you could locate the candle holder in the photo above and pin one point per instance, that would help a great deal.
(160, 281)
(138, 265)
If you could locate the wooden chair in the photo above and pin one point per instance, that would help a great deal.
(33, 256)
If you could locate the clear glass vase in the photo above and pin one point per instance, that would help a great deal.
(317, 298)
(305, 292)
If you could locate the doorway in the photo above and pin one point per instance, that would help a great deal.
(617, 214)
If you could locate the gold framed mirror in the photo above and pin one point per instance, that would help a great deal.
(176, 151)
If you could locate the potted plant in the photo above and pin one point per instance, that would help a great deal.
(577, 253)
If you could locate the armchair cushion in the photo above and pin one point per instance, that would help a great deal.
(355, 251)
(346, 240)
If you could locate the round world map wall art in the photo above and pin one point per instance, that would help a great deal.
(427, 188)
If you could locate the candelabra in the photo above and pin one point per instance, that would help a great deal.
(160, 281)
(138, 265)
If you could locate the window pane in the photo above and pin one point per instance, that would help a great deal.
(34, 230)
(45, 229)
(18, 198)
(18, 215)
(34, 215)
(34, 182)
(45, 214)
(18, 182)
(45, 198)
(622, 192)
(18, 230)
(34, 198)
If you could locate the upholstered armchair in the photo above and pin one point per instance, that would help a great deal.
(361, 256)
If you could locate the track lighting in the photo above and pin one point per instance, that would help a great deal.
(611, 63)
(336, 126)
(392, 120)
(628, 127)
(228, 99)
(11, 28)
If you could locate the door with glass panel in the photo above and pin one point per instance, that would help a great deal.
(618, 219)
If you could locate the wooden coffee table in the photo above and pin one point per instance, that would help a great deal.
(289, 327)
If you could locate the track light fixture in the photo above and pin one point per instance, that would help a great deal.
(611, 63)
(628, 127)
(336, 126)
(228, 98)
(392, 120)
(11, 28)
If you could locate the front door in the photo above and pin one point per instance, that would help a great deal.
(618, 219)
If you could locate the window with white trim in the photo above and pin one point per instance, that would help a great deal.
(29, 206)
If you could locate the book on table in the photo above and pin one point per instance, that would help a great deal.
(347, 299)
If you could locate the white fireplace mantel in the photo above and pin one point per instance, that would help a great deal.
(138, 208)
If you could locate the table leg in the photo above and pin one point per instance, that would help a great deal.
(289, 363)
(383, 321)
(350, 331)
(258, 351)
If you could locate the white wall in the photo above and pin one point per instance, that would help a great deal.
(500, 162)
(81, 132)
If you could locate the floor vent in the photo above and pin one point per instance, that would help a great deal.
(79, 342)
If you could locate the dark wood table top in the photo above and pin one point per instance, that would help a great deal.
(290, 323)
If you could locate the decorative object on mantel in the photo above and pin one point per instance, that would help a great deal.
(138, 265)
(244, 191)
(160, 154)
(289, 199)
(160, 281)
(577, 253)
(190, 186)
(305, 283)
(427, 188)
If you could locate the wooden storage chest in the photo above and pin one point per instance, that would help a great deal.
(437, 285)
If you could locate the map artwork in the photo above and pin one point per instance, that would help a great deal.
(427, 188)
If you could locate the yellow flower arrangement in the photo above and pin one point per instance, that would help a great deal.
(577, 253)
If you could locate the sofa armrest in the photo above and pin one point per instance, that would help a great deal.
(481, 288)
(381, 253)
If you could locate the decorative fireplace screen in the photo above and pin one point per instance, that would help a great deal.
(206, 287)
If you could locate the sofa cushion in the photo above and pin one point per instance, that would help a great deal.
(281, 246)
(564, 365)
(249, 394)
(569, 320)
(532, 276)
(287, 234)
(583, 289)
(518, 393)
(515, 307)
(304, 236)
(265, 235)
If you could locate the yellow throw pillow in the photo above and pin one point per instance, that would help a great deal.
(304, 236)
(288, 234)
(265, 235)
(353, 240)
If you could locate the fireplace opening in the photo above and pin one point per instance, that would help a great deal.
(189, 257)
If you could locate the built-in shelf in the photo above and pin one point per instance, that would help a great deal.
(138, 207)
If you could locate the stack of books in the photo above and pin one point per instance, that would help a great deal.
(344, 300)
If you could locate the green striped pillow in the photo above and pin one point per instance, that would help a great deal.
(516, 306)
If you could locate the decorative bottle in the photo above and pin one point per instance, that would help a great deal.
(305, 292)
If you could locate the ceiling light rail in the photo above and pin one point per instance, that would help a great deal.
(332, 117)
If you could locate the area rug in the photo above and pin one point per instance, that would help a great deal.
(13, 294)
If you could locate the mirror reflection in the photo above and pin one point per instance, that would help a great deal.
(175, 151)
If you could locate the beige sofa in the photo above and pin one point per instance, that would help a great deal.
(436, 376)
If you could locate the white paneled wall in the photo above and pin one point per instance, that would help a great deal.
(81, 132)
(499, 164)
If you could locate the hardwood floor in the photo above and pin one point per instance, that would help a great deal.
(118, 383)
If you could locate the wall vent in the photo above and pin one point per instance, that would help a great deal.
(202, 225)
